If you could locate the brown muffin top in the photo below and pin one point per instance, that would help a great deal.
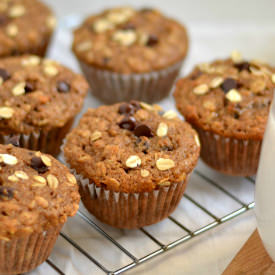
(36, 192)
(37, 93)
(125, 40)
(229, 97)
(24, 25)
(130, 147)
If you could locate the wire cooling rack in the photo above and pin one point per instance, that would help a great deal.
(205, 185)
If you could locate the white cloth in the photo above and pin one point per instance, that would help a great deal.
(210, 252)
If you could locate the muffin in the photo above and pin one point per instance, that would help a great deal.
(130, 54)
(39, 99)
(132, 161)
(26, 27)
(37, 194)
(227, 102)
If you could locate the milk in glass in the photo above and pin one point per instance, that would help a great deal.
(265, 187)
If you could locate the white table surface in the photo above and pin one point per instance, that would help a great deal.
(216, 28)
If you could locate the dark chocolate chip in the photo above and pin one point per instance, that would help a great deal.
(4, 74)
(146, 9)
(228, 84)
(29, 87)
(126, 108)
(38, 165)
(152, 40)
(236, 115)
(6, 193)
(128, 123)
(195, 75)
(106, 60)
(14, 140)
(135, 104)
(129, 108)
(126, 170)
(129, 26)
(243, 66)
(167, 148)
(63, 86)
(143, 130)
(3, 19)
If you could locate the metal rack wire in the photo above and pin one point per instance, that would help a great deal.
(187, 234)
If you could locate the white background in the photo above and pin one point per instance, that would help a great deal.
(216, 27)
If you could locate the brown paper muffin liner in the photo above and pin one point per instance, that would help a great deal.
(111, 87)
(230, 155)
(130, 210)
(45, 141)
(23, 254)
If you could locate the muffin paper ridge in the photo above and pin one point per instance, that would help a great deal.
(113, 87)
(23, 254)
(129, 210)
(45, 141)
(230, 155)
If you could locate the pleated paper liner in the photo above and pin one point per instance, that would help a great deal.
(111, 87)
(22, 254)
(230, 155)
(45, 141)
(130, 210)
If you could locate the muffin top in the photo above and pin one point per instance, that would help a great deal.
(132, 147)
(37, 94)
(36, 192)
(228, 97)
(24, 25)
(125, 40)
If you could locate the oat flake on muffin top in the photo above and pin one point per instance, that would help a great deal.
(229, 97)
(125, 40)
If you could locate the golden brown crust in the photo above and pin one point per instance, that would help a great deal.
(24, 26)
(36, 192)
(37, 94)
(127, 41)
(110, 150)
(229, 98)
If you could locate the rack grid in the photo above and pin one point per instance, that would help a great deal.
(187, 234)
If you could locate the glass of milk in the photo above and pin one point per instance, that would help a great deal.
(265, 187)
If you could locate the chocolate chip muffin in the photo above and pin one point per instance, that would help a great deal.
(228, 102)
(26, 27)
(39, 99)
(37, 194)
(133, 162)
(130, 54)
